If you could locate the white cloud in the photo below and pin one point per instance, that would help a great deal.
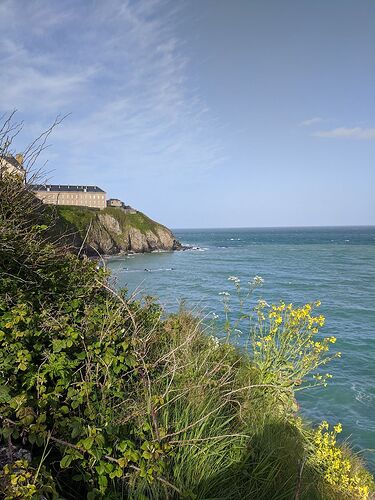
(311, 121)
(348, 133)
(120, 68)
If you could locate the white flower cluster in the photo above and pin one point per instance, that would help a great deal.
(235, 279)
(256, 281)
(262, 304)
(215, 341)
(224, 294)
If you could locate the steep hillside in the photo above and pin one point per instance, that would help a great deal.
(112, 231)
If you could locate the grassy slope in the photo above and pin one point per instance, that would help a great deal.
(80, 218)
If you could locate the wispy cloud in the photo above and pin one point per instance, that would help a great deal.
(121, 70)
(311, 121)
(348, 133)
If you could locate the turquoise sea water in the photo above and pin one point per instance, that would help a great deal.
(299, 265)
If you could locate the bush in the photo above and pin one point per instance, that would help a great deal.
(115, 399)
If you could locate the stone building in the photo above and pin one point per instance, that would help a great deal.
(81, 196)
(12, 165)
(114, 202)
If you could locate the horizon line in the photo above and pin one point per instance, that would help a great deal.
(277, 227)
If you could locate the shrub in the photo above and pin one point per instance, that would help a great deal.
(336, 465)
(20, 480)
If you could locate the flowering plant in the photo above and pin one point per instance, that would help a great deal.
(337, 469)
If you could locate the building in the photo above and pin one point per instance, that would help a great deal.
(81, 196)
(114, 202)
(12, 165)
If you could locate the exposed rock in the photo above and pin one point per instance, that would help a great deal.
(113, 231)
(110, 223)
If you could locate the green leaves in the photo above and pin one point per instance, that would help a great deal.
(103, 483)
(87, 443)
(66, 461)
(61, 376)
(69, 358)
(4, 394)
(39, 227)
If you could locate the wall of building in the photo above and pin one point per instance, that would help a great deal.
(80, 199)
(8, 168)
(114, 203)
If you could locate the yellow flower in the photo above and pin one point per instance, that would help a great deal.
(337, 428)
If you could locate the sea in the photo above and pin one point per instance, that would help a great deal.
(335, 265)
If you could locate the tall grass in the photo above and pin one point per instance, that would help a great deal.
(232, 435)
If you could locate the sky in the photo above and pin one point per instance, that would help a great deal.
(201, 113)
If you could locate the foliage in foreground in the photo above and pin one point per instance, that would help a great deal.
(116, 400)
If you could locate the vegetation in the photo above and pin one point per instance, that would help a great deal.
(79, 218)
(75, 218)
(138, 220)
(109, 231)
(115, 399)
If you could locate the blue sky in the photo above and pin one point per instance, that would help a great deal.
(202, 113)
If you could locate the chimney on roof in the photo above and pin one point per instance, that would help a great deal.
(19, 158)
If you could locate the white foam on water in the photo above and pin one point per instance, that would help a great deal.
(197, 249)
(362, 396)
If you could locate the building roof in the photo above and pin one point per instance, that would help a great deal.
(58, 188)
(12, 160)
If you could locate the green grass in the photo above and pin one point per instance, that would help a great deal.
(138, 220)
(79, 218)
(229, 443)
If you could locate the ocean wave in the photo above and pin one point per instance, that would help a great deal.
(361, 396)
(193, 248)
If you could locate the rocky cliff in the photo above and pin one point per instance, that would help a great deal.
(113, 231)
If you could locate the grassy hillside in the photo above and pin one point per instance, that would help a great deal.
(106, 397)
(80, 218)
(138, 220)
(111, 231)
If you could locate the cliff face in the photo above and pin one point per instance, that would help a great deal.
(113, 231)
